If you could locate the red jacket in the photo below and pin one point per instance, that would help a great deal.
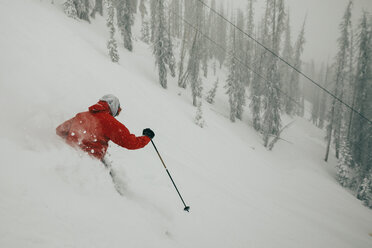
(92, 130)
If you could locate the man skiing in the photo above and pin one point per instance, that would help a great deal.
(92, 130)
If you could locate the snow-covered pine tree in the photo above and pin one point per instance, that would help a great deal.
(145, 31)
(182, 76)
(345, 163)
(195, 52)
(175, 9)
(272, 119)
(315, 96)
(294, 81)
(97, 8)
(125, 17)
(212, 92)
(153, 5)
(204, 61)
(143, 9)
(221, 37)
(169, 59)
(204, 47)
(199, 114)
(145, 25)
(214, 66)
(188, 15)
(206, 43)
(361, 130)
(323, 98)
(287, 55)
(82, 9)
(260, 61)
(111, 44)
(213, 31)
(193, 69)
(70, 10)
(249, 46)
(351, 86)
(241, 68)
(365, 190)
(160, 41)
(341, 61)
(134, 4)
(232, 79)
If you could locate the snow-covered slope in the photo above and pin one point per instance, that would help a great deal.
(241, 195)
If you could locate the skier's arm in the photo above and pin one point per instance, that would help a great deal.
(121, 136)
(63, 129)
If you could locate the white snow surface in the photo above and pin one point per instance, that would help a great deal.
(241, 195)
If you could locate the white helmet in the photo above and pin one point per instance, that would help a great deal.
(113, 102)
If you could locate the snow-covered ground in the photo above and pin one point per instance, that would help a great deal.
(241, 195)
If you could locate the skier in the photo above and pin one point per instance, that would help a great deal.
(92, 130)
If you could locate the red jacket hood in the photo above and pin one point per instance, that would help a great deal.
(100, 106)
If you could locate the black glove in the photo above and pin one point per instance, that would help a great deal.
(148, 132)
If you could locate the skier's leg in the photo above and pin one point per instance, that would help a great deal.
(119, 184)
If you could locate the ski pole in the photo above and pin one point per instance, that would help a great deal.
(187, 208)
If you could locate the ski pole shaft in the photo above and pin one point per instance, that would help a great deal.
(187, 208)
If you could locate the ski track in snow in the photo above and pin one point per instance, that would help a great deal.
(241, 195)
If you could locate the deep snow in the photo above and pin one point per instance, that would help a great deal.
(241, 195)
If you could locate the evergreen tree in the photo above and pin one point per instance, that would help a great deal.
(145, 26)
(125, 17)
(345, 164)
(199, 115)
(169, 59)
(70, 10)
(82, 9)
(153, 5)
(236, 79)
(160, 51)
(323, 99)
(294, 81)
(272, 120)
(259, 66)
(182, 76)
(315, 97)
(111, 44)
(232, 81)
(351, 86)
(287, 55)
(175, 9)
(361, 131)
(365, 190)
(195, 52)
(134, 4)
(145, 31)
(241, 68)
(193, 69)
(336, 112)
(255, 93)
(97, 8)
(249, 49)
(143, 9)
(212, 93)
(213, 30)
(189, 15)
(221, 37)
